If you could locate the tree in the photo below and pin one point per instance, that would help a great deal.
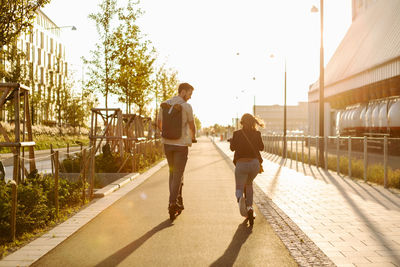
(73, 109)
(134, 59)
(101, 65)
(166, 83)
(197, 122)
(17, 71)
(16, 16)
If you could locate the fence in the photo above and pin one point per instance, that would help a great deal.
(374, 159)
(51, 164)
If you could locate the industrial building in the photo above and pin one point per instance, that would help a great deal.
(296, 118)
(362, 79)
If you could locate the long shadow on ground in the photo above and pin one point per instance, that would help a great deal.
(231, 253)
(121, 254)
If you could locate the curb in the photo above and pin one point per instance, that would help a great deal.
(115, 185)
(39, 247)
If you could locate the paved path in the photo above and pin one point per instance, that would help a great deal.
(353, 223)
(135, 230)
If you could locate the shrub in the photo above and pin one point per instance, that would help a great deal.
(108, 162)
(36, 204)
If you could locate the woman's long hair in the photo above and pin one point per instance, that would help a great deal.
(250, 122)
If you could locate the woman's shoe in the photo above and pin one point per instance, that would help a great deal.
(242, 206)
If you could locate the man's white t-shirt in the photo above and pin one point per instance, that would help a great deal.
(187, 116)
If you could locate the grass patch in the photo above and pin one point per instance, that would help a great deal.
(44, 141)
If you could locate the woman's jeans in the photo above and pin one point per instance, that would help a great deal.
(177, 158)
(245, 172)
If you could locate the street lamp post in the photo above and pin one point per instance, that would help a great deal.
(284, 119)
(321, 85)
(284, 114)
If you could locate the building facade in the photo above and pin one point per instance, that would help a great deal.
(296, 118)
(45, 65)
(362, 79)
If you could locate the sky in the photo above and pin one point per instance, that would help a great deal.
(223, 47)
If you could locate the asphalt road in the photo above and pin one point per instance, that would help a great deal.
(136, 231)
(43, 163)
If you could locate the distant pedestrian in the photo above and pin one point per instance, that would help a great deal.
(178, 132)
(247, 144)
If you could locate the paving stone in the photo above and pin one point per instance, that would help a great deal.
(333, 211)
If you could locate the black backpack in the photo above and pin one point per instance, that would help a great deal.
(171, 121)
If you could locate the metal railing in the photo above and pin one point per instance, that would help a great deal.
(374, 159)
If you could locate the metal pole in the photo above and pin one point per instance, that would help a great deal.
(365, 157)
(296, 147)
(317, 152)
(285, 144)
(321, 85)
(291, 147)
(309, 150)
(337, 155)
(302, 149)
(385, 161)
(349, 155)
(326, 151)
(284, 120)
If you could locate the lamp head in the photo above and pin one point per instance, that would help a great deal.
(314, 9)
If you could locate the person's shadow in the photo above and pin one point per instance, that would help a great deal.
(239, 238)
(124, 252)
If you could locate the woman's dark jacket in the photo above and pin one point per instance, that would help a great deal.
(241, 145)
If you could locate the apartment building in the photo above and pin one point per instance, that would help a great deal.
(45, 65)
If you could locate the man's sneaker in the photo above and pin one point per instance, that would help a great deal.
(174, 210)
(250, 215)
(242, 206)
(180, 203)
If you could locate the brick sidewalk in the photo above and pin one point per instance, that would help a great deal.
(352, 222)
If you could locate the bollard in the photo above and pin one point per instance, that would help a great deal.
(13, 209)
(56, 170)
(337, 155)
(349, 155)
(52, 161)
(326, 151)
(68, 150)
(365, 157)
(385, 161)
